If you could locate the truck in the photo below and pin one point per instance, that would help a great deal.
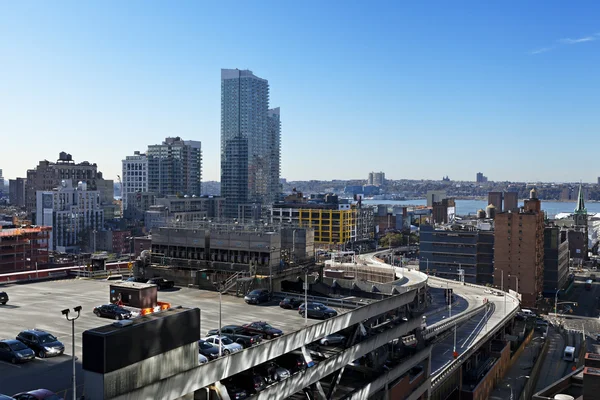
(238, 334)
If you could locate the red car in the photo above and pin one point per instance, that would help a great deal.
(39, 394)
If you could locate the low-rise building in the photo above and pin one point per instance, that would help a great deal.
(23, 248)
(447, 250)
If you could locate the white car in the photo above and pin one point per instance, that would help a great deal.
(487, 291)
(334, 338)
(228, 345)
(202, 359)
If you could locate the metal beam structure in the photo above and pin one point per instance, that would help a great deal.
(204, 375)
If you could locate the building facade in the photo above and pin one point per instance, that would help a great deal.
(134, 176)
(444, 252)
(376, 178)
(16, 191)
(519, 251)
(250, 142)
(22, 249)
(48, 176)
(480, 178)
(175, 167)
(556, 259)
(72, 212)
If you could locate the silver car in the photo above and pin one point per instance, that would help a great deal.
(334, 338)
(228, 345)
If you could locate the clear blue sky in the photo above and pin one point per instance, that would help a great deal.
(417, 90)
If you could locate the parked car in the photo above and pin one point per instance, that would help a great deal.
(5, 397)
(208, 350)
(293, 362)
(39, 394)
(317, 310)
(202, 359)
(334, 338)
(238, 334)
(235, 392)
(258, 296)
(15, 351)
(3, 298)
(290, 303)
(41, 342)
(251, 381)
(112, 311)
(162, 283)
(228, 346)
(263, 329)
(272, 372)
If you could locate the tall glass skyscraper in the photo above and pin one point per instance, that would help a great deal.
(250, 144)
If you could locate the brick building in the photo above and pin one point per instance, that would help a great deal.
(519, 250)
(23, 249)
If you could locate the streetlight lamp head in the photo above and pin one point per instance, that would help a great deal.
(65, 311)
(78, 308)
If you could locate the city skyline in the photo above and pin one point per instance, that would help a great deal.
(468, 88)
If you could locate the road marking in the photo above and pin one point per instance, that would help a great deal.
(11, 365)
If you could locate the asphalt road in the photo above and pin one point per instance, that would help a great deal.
(39, 305)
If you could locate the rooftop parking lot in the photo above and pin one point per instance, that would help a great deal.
(39, 305)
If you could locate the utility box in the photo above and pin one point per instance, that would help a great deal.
(138, 295)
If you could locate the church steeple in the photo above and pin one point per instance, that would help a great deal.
(580, 209)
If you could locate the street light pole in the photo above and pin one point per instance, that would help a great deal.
(305, 297)
(65, 312)
(556, 302)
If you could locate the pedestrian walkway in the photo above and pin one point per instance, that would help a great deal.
(516, 377)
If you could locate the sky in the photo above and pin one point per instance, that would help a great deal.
(419, 90)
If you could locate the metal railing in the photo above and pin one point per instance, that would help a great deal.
(441, 326)
(328, 301)
(81, 273)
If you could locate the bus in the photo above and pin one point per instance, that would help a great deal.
(569, 354)
(588, 284)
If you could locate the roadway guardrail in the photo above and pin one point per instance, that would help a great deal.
(328, 301)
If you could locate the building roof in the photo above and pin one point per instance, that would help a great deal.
(23, 231)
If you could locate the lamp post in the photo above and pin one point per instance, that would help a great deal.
(65, 312)
(427, 260)
(517, 279)
(305, 297)
(556, 302)
(219, 286)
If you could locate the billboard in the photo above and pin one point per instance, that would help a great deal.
(451, 214)
(47, 201)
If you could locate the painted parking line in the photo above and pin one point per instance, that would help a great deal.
(10, 364)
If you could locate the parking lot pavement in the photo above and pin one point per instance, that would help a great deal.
(39, 305)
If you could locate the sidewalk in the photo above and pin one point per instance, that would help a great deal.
(515, 379)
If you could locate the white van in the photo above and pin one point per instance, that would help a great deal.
(569, 354)
(527, 313)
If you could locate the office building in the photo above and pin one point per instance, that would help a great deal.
(72, 212)
(480, 178)
(2, 189)
(250, 144)
(519, 250)
(556, 259)
(134, 176)
(48, 176)
(137, 204)
(334, 222)
(175, 167)
(444, 252)
(16, 190)
(376, 178)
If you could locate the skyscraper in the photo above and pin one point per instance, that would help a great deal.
(248, 123)
(175, 167)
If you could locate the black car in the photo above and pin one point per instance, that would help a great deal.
(317, 310)
(258, 296)
(251, 381)
(263, 329)
(136, 280)
(208, 350)
(112, 311)
(235, 392)
(293, 362)
(3, 298)
(41, 342)
(162, 283)
(290, 303)
(15, 351)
